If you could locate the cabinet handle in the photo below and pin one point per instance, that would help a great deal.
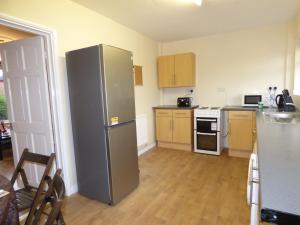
(180, 113)
(229, 130)
(241, 115)
(171, 124)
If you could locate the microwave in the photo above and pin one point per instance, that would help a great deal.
(251, 99)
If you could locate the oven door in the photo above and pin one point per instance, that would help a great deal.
(207, 125)
(207, 141)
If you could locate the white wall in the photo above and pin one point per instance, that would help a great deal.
(294, 52)
(78, 27)
(232, 63)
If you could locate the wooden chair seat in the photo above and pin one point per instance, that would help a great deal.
(30, 196)
(24, 199)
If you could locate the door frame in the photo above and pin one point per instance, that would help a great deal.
(50, 38)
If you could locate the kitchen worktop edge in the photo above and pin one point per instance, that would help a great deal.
(174, 107)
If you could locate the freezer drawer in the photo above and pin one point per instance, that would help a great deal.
(124, 171)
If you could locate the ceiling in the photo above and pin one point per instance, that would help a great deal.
(169, 20)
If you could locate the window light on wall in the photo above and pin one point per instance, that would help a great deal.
(297, 70)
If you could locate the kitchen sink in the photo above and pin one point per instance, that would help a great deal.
(282, 117)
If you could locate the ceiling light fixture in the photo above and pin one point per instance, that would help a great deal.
(198, 2)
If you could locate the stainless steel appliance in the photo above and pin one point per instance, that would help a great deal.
(208, 130)
(101, 90)
(251, 100)
(184, 102)
(253, 190)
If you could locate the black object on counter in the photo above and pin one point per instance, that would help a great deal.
(288, 104)
(184, 102)
(279, 218)
(279, 101)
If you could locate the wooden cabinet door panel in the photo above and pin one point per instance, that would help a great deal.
(182, 113)
(184, 70)
(182, 130)
(240, 115)
(240, 134)
(163, 112)
(166, 71)
(164, 129)
(254, 127)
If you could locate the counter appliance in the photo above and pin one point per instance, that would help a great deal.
(251, 100)
(184, 101)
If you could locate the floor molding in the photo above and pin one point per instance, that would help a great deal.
(147, 148)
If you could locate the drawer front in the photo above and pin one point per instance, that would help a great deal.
(240, 115)
(182, 113)
(163, 113)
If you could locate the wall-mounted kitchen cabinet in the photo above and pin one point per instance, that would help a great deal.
(242, 133)
(176, 70)
(174, 128)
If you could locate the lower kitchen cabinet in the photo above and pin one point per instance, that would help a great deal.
(163, 128)
(174, 128)
(242, 133)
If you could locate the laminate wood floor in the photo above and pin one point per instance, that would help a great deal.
(7, 165)
(176, 188)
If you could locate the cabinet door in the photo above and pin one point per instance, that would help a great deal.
(166, 74)
(164, 128)
(240, 134)
(182, 130)
(184, 70)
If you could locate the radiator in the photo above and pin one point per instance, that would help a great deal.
(142, 131)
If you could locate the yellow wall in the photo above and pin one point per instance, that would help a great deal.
(78, 27)
(232, 63)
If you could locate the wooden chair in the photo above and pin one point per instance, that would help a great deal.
(30, 196)
(53, 198)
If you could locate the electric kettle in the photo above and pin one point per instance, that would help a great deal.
(280, 101)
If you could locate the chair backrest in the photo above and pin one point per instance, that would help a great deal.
(47, 161)
(54, 196)
(58, 185)
(39, 159)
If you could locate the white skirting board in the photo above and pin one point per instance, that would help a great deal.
(141, 130)
(142, 134)
(146, 148)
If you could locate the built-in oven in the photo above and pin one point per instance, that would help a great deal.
(207, 135)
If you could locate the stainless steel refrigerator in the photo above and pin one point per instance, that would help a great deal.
(101, 90)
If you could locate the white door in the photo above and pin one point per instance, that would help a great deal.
(26, 88)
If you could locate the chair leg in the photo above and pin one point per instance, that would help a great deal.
(60, 219)
(54, 213)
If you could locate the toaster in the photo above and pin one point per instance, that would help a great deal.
(184, 102)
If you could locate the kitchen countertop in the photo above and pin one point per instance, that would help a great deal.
(174, 107)
(239, 108)
(279, 165)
